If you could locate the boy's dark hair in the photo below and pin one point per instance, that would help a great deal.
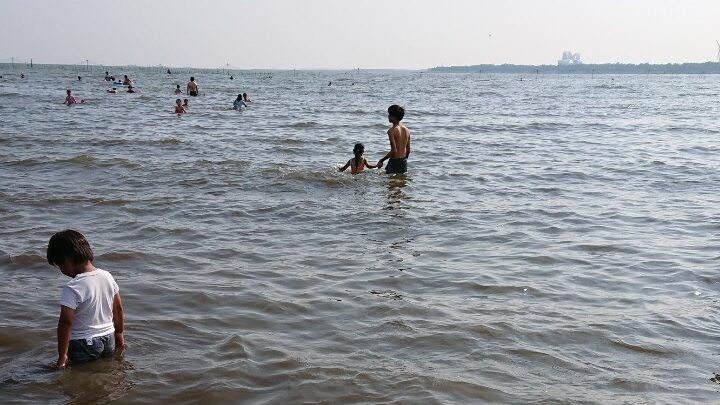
(69, 244)
(397, 112)
(192, 78)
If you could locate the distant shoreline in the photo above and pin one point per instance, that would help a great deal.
(589, 69)
(603, 68)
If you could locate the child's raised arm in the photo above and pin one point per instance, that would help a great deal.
(368, 165)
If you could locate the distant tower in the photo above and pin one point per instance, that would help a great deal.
(718, 44)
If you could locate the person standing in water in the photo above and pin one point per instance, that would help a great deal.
(192, 87)
(177, 89)
(69, 100)
(92, 318)
(399, 137)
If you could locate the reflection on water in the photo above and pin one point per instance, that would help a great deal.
(100, 381)
(395, 195)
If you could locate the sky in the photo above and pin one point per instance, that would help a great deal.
(392, 34)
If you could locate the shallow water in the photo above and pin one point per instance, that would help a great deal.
(555, 241)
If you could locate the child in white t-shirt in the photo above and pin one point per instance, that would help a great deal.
(91, 313)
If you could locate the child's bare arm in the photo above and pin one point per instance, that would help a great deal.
(118, 322)
(342, 169)
(369, 166)
(67, 315)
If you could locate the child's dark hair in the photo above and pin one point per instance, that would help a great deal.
(69, 244)
(397, 112)
(358, 150)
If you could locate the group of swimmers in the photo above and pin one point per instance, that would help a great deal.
(398, 135)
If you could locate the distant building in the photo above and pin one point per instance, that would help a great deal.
(569, 58)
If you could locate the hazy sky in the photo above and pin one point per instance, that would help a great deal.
(360, 33)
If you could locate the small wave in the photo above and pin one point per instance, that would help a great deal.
(390, 294)
(81, 199)
(610, 87)
(111, 142)
(25, 259)
(322, 177)
(89, 161)
(122, 256)
(224, 164)
(25, 162)
(301, 125)
(80, 160)
(641, 349)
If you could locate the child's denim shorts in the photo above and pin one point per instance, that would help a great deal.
(84, 350)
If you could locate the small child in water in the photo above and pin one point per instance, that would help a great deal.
(69, 100)
(177, 89)
(91, 313)
(358, 163)
(178, 107)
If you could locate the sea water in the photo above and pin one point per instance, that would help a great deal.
(555, 240)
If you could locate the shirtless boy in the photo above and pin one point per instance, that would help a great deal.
(192, 87)
(399, 136)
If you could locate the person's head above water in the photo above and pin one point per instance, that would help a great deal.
(177, 86)
(358, 150)
(79, 77)
(68, 91)
(396, 112)
(126, 76)
(192, 78)
(178, 102)
(69, 246)
(240, 97)
(185, 101)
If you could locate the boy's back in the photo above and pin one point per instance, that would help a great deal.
(91, 296)
(400, 135)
